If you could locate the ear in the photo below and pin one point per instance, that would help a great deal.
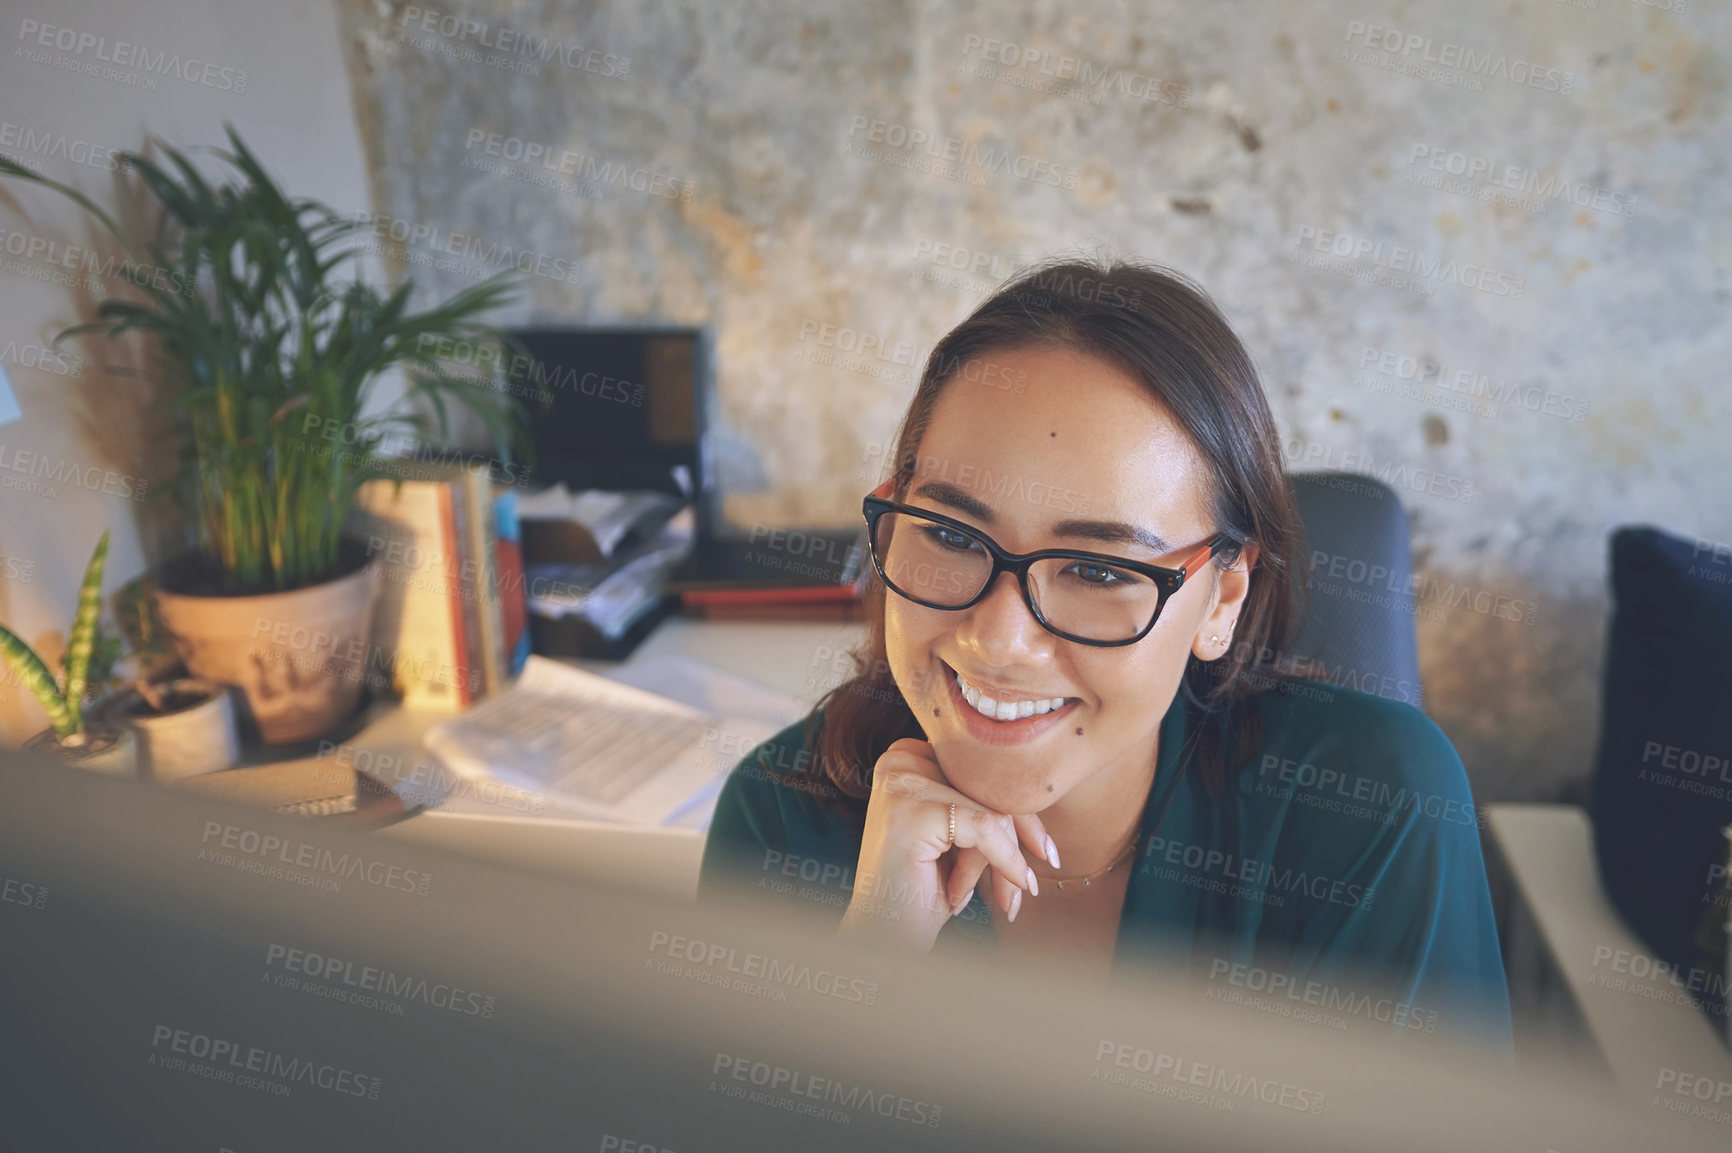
(1215, 632)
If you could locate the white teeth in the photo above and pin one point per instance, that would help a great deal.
(1005, 710)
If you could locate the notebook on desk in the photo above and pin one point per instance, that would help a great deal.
(304, 787)
(598, 749)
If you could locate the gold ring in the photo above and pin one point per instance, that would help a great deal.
(953, 823)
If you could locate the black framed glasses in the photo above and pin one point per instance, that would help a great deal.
(1093, 599)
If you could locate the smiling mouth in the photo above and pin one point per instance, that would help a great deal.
(998, 710)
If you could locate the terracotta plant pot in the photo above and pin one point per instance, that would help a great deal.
(196, 734)
(298, 657)
(105, 749)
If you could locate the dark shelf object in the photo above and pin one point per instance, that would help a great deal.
(571, 636)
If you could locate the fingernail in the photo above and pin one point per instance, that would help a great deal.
(956, 910)
(1015, 903)
(1052, 854)
(1033, 883)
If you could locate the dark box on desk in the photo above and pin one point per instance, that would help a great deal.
(572, 636)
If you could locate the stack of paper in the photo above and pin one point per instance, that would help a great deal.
(612, 596)
(603, 750)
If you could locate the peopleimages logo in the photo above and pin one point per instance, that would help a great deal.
(527, 47)
(1501, 178)
(17, 892)
(1639, 967)
(1321, 995)
(1230, 1084)
(50, 255)
(1259, 876)
(62, 471)
(226, 1060)
(381, 448)
(1416, 478)
(960, 267)
(1469, 386)
(564, 162)
(1705, 1096)
(266, 852)
(31, 148)
(466, 246)
(762, 968)
(361, 979)
(1359, 796)
(1002, 486)
(1092, 79)
(122, 54)
(774, 1079)
(955, 149)
(488, 359)
(1399, 46)
(1396, 258)
(429, 777)
(30, 355)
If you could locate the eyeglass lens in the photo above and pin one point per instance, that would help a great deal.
(946, 567)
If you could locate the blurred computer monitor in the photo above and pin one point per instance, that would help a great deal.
(182, 974)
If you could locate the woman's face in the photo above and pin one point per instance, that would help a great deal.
(1038, 448)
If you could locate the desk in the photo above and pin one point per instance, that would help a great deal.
(801, 660)
(1561, 936)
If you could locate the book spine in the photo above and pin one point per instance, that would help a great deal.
(450, 505)
(412, 623)
(478, 488)
(514, 598)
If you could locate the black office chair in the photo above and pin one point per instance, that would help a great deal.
(1359, 619)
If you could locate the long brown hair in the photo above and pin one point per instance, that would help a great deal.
(1163, 330)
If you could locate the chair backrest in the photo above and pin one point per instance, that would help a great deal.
(1662, 788)
(1358, 608)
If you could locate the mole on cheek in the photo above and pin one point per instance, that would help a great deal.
(936, 713)
(1079, 732)
(1049, 786)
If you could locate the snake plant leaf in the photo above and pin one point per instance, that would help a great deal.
(36, 677)
(83, 635)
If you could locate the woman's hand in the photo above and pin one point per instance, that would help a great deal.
(910, 880)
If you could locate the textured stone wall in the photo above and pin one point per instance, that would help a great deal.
(1532, 196)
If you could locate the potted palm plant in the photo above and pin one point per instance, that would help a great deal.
(276, 344)
(75, 733)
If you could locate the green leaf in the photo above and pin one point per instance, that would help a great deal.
(83, 635)
(271, 338)
(36, 677)
(13, 168)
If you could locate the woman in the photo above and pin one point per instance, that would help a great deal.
(1079, 754)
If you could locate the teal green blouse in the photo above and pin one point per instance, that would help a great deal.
(1339, 878)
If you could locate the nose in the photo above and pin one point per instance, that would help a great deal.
(1001, 630)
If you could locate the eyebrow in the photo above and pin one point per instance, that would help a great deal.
(1108, 531)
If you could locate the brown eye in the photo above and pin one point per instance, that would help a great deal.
(1097, 574)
